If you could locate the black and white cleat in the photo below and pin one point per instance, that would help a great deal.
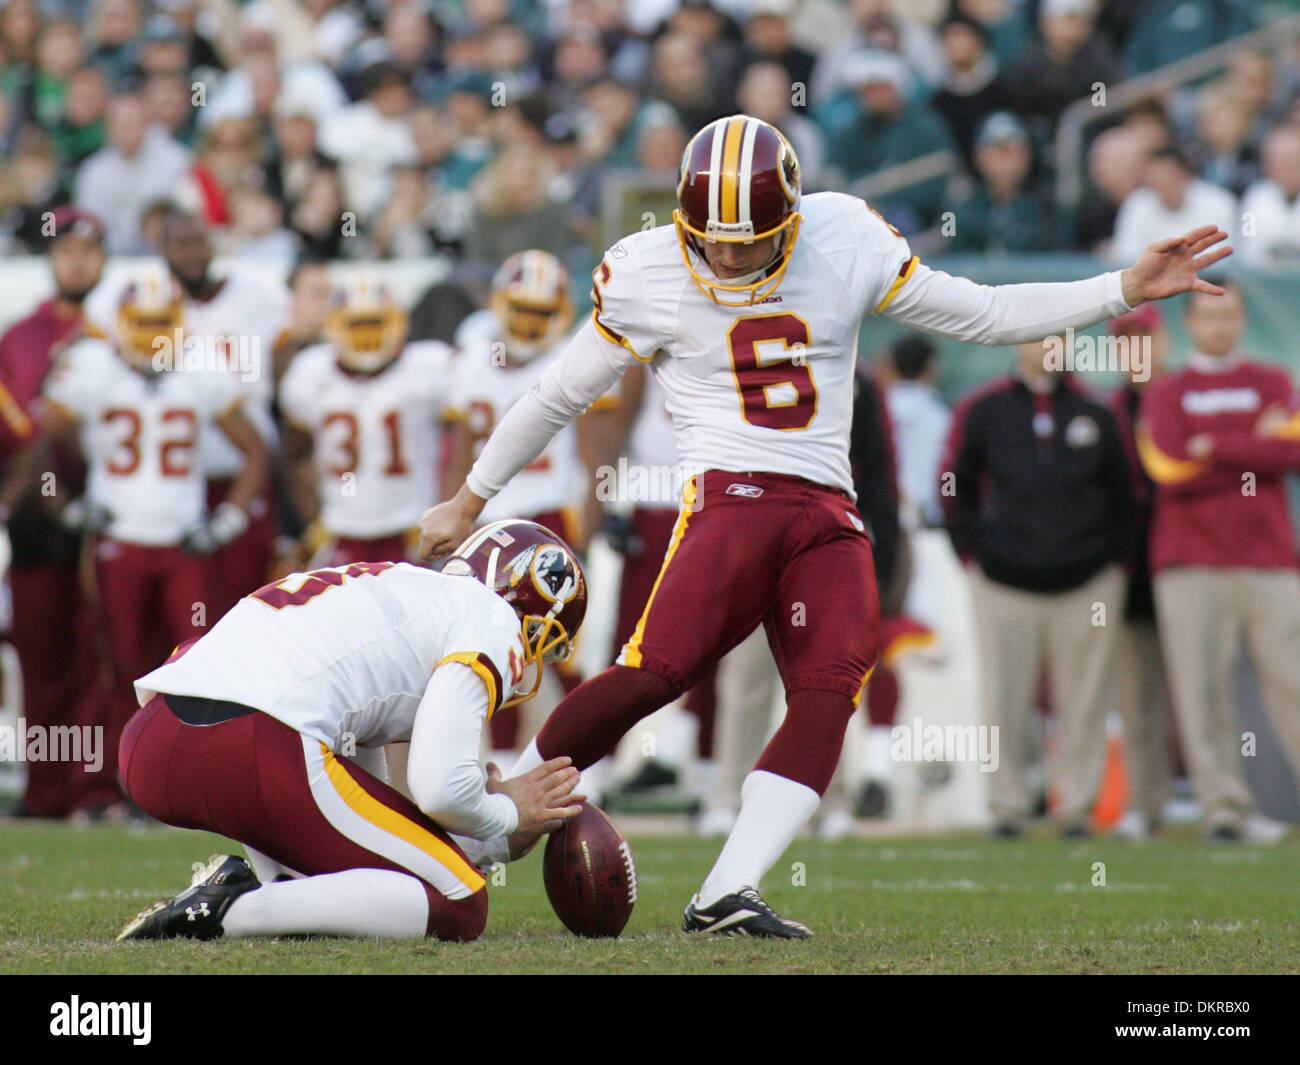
(742, 913)
(197, 911)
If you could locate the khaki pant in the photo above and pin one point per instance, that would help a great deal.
(1140, 692)
(1076, 630)
(1204, 612)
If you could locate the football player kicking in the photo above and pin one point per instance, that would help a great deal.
(754, 343)
(269, 729)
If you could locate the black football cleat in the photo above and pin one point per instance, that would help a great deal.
(742, 913)
(197, 911)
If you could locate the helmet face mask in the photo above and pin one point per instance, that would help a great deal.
(530, 299)
(539, 575)
(738, 183)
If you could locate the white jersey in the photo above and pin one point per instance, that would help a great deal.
(375, 438)
(486, 387)
(237, 326)
(345, 655)
(141, 434)
(652, 447)
(769, 387)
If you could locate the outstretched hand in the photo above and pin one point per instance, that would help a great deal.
(1170, 266)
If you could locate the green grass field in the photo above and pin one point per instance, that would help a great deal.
(948, 904)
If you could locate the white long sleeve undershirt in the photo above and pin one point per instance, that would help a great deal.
(443, 770)
(932, 300)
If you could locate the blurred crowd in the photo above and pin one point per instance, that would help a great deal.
(370, 129)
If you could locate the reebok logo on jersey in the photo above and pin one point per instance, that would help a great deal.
(751, 491)
(770, 299)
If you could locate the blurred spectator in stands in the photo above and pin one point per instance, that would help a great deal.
(32, 191)
(1168, 30)
(1222, 146)
(1008, 210)
(58, 54)
(889, 132)
(514, 208)
(768, 37)
(1172, 200)
(228, 157)
(1008, 30)
(610, 124)
(1252, 80)
(370, 137)
(508, 59)
(1219, 438)
(764, 92)
(311, 292)
(1065, 64)
(318, 219)
(167, 99)
(578, 59)
(1270, 209)
(681, 78)
(114, 30)
(304, 78)
(210, 41)
(164, 48)
(661, 145)
(1140, 689)
(974, 87)
(138, 164)
(921, 422)
(1037, 498)
(151, 224)
(1150, 121)
(1117, 161)
(406, 227)
(577, 179)
(322, 30)
(79, 133)
(20, 24)
(410, 41)
(719, 38)
(256, 229)
(877, 26)
(293, 157)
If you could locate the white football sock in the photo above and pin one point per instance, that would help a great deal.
(530, 759)
(356, 902)
(772, 810)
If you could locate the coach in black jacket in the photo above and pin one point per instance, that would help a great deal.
(1038, 501)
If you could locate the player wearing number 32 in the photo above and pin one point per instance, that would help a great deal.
(140, 424)
(271, 729)
(747, 310)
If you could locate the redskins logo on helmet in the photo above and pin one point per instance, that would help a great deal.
(530, 298)
(539, 575)
(366, 326)
(738, 183)
(150, 316)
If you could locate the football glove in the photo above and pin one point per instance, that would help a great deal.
(84, 516)
(212, 533)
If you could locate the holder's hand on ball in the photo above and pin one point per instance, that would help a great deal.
(544, 798)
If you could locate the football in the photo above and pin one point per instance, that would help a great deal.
(589, 875)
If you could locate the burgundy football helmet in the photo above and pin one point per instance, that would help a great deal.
(739, 182)
(539, 575)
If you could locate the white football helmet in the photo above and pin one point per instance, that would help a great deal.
(530, 298)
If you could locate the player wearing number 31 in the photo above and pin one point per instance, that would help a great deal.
(747, 311)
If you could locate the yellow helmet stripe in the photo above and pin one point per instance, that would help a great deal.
(730, 193)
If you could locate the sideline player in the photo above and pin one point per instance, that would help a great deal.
(270, 729)
(755, 344)
(139, 428)
(365, 411)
